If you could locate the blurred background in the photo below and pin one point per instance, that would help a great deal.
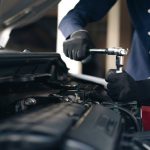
(114, 30)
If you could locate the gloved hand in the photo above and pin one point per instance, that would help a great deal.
(78, 45)
(121, 86)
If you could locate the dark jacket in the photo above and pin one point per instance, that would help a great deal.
(86, 11)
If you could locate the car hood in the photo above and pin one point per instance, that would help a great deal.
(16, 13)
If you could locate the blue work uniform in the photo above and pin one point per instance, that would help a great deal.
(86, 11)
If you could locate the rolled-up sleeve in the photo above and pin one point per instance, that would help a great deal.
(84, 12)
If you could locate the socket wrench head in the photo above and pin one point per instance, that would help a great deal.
(117, 51)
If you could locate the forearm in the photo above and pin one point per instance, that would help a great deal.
(85, 11)
(70, 23)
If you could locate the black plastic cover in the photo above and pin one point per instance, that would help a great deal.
(27, 65)
(99, 129)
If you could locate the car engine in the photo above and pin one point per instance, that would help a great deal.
(44, 107)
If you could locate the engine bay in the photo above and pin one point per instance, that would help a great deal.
(44, 107)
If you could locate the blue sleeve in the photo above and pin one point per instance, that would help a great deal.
(84, 12)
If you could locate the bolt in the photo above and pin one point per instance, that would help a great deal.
(30, 101)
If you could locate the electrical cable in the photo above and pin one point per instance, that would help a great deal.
(128, 113)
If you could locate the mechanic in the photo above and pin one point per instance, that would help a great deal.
(132, 84)
(78, 41)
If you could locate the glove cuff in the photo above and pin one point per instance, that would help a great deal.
(80, 33)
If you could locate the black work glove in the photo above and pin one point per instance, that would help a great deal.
(78, 45)
(122, 87)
